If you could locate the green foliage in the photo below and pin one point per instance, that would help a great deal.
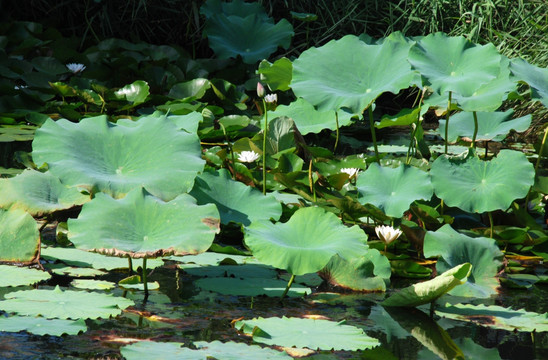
(19, 237)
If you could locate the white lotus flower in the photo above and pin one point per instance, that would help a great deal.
(76, 68)
(248, 156)
(350, 171)
(271, 98)
(387, 233)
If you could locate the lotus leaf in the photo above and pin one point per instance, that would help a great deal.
(305, 243)
(277, 75)
(141, 225)
(404, 117)
(115, 158)
(454, 248)
(81, 258)
(237, 7)
(474, 185)
(536, 77)
(250, 37)
(280, 136)
(92, 284)
(454, 63)
(17, 276)
(9, 133)
(42, 326)
(136, 93)
(363, 72)
(204, 350)
(430, 290)
(491, 125)
(310, 333)
(188, 122)
(19, 237)
(236, 201)
(251, 287)
(308, 119)
(190, 90)
(38, 193)
(496, 317)
(393, 190)
(61, 304)
(370, 272)
(245, 271)
(61, 269)
(212, 258)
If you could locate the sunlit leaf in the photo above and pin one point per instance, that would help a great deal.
(17, 276)
(276, 75)
(309, 333)
(42, 326)
(536, 77)
(19, 237)
(141, 225)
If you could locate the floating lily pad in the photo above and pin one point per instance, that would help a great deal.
(82, 258)
(245, 271)
(116, 158)
(455, 248)
(305, 243)
(19, 237)
(251, 287)
(212, 258)
(336, 76)
(236, 201)
(475, 185)
(370, 272)
(496, 317)
(61, 304)
(42, 326)
(313, 334)
(204, 350)
(92, 284)
(393, 189)
(430, 290)
(18, 276)
(141, 225)
(308, 119)
(38, 193)
(62, 269)
(491, 125)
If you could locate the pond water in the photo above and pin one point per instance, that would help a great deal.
(181, 312)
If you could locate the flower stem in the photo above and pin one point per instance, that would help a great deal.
(373, 135)
(288, 286)
(264, 145)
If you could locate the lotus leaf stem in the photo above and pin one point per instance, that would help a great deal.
(414, 133)
(490, 224)
(288, 286)
(264, 145)
(337, 137)
(373, 135)
(447, 120)
(144, 277)
(473, 145)
(130, 265)
(229, 145)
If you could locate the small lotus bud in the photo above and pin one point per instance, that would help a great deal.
(260, 90)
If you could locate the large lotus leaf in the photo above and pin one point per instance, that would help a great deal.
(17, 276)
(136, 92)
(251, 287)
(38, 193)
(496, 317)
(370, 272)
(347, 73)
(393, 189)
(276, 75)
(281, 135)
(475, 185)
(310, 333)
(429, 291)
(42, 326)
(204, 350)
(491, 125)
(141, 225)
(250, 37)
(455, 248)
(236, 201)
(19, 237)
(236, 7)
(536, 77)
(454, 63)
(85, 259)
(115, 158)
(61, 304)
(305, 243)
(308, 119)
